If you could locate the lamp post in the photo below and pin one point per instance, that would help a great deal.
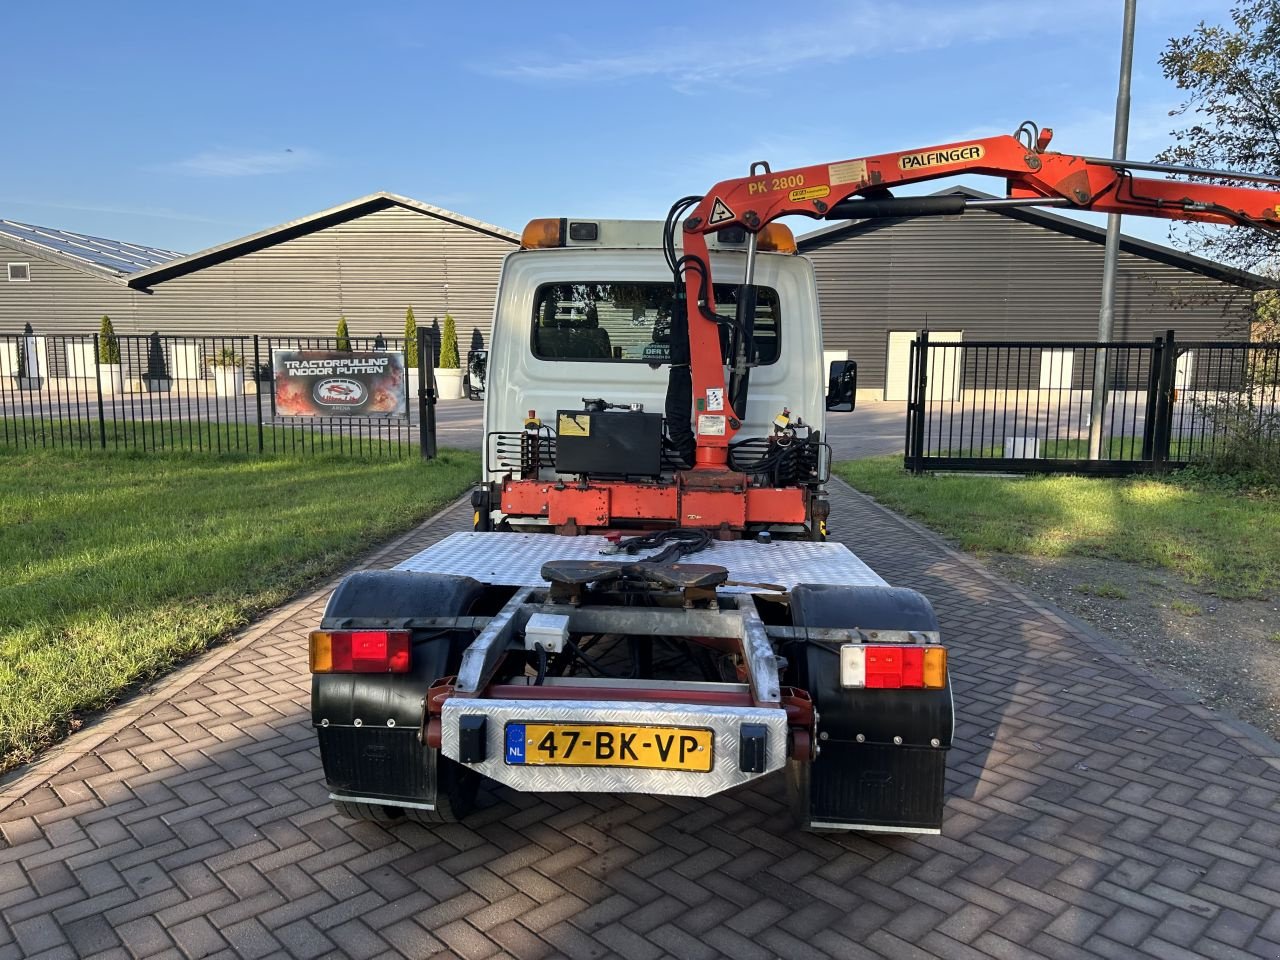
(1111, 254)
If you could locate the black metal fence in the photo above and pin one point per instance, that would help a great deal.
(1030, 406)
(202, 393)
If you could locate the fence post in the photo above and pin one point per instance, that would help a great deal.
(426, 394)
(1170, 391)
(97, 376)
(909, 439)
(918, 369)
(1154, 367)
(257, 390)
(1164, 402)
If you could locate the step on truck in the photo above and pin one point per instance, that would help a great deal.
(648, 602)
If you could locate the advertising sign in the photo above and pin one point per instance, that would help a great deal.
(339, 383)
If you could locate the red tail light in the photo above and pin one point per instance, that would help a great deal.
(360, 651)
(884, 667)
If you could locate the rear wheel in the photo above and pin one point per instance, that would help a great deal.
(882, 762)
(456, 789)
(368, 724)
(368, 812)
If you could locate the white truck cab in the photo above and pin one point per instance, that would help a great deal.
(591, 319)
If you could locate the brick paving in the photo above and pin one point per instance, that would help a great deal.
(1092, 812)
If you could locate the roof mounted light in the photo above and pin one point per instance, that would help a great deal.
(543, 233)
(776, 238)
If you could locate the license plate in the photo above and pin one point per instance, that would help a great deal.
(609, 745)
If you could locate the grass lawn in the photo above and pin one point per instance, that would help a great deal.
(1222, 540)
(114, 566)
(378, 439)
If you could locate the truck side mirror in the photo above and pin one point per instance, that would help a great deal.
(842, 385)
(477, 370)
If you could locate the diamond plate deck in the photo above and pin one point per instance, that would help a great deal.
(516, 559)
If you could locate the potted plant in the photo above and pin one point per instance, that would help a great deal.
(29, 375)
(110, 370)
(228, 374)
(411, 354)
(343, 337)
(157, 373)
(449, 373)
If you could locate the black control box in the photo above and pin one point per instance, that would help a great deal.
(618, 443)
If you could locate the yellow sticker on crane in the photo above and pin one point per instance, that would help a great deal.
(808, 193)
(939, 158)
(573, 425)
(850, 171)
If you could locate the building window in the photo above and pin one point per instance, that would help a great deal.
(19, 272)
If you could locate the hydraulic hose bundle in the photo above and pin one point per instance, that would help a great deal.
(782, 460)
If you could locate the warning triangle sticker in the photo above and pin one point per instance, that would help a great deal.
(720, 212)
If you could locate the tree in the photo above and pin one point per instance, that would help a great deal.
(157, 363)
(1232, 77)
(410, 339)
(344, 338)
(449, 344)
(108, 343)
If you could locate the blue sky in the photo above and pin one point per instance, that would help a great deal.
(187, 125)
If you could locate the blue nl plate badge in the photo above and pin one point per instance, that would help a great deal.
(515, 743)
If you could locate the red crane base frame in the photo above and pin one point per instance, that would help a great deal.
(715, 500)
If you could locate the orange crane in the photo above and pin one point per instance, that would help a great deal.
(710, 493)
(859, 188)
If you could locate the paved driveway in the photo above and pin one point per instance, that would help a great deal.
(1091, 813)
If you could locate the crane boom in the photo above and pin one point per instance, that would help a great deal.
(860, 187)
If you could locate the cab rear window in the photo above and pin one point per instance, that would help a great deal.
(631, 322)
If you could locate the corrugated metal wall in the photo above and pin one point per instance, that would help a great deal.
(369, 269)
(58, 299)
(997, 278)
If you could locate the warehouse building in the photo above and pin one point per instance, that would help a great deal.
(1017, 274)
(367, 260)
(64, 282)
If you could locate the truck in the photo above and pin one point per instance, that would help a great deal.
(647, 601)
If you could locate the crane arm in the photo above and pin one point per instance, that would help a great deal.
(1085, 183)
(860, 187)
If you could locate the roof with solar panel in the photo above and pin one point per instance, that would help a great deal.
(114, 258)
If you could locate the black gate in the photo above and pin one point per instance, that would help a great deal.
(1032, 407)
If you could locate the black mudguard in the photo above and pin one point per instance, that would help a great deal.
(368, 723)
(873, 783)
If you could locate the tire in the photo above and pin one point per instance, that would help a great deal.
(456, 789)
(369, 812)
